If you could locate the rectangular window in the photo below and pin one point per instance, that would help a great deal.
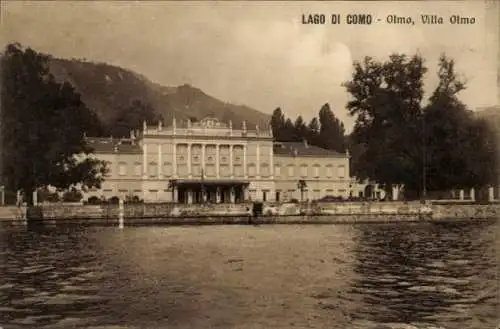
(167, 169)
(341, 171)
(251, 170)
(277, 171)
(196, 170)
(182, 170)
(122, 169)
(137, 169)
(210, 170)
(329, 171)
(224, 170)
(290, 171)
(264, 170)
(303, 171)
(316, 171)
(153, 170)
(238, 170)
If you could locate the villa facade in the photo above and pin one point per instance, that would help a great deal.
(211, 161)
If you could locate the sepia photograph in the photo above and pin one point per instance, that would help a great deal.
(250, 164)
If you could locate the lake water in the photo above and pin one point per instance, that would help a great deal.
(326, 276)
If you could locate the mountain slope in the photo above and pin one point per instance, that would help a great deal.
(105, 89)
(492, 115)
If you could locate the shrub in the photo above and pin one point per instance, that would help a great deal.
(94, 200)
(114, 200)
(133, 199)
(72, 195)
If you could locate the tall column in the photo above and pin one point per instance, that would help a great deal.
(245, 160)
(491, 194)
(472, 194)
(174, 160)
(160, 161)
(257, 164)
(190, 196)
(175, 194)
(461, 197)
(217, 161)
(231, 171)
(189, 159)
(145, 161)
(232, 194)
(203, 157)
(217, 195)
(271, 162)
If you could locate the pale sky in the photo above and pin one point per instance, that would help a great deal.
(260, 54)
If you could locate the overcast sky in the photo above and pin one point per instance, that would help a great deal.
(259, 54)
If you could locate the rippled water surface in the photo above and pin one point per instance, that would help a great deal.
(330, 276)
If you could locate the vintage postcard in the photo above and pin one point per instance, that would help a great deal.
(249, 164)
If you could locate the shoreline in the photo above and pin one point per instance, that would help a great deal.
(241, 214)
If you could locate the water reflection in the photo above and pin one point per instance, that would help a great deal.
(335, 276)
(47, 276)
(441, 275)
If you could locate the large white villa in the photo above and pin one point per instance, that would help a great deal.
(213, 161)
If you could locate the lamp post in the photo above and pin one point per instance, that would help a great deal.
(202, 186)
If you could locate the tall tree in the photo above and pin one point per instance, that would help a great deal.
(300, 128)
(313, 131)
(460, 149)
(132, 117)
(42, 127)
(331, 132)
(277, 124)
(386, 101)
(289, 134)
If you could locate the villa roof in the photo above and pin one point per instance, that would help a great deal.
(113, 145)
(302, 149)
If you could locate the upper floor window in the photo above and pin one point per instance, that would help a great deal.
(316, 171)
(341, 171)
(153, 169)
(277, 170)
(137, 169)
(290, 171)
(122, 169)
(303, 171)
(251, 170)
(329, 171)
(264, 168)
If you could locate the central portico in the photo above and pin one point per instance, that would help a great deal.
(206, 161)
(209, 191)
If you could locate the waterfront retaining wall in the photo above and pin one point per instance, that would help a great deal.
(340, 212)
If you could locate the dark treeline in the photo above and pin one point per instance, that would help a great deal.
(42, 126)
(325, 131)
(401, 138)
